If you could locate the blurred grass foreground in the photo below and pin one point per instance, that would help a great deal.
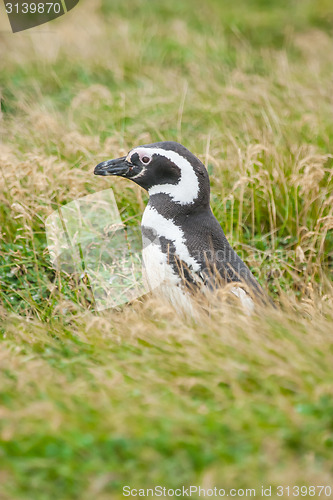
(93, 401)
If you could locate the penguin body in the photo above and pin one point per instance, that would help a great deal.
(184, 246)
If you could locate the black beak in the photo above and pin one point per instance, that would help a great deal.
(119, 166)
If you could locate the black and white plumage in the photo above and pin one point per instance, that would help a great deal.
(184, 246)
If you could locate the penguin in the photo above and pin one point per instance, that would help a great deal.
(184, 247)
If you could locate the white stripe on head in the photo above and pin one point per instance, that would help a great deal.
(140, 174)
(187, 189)
(169, 230)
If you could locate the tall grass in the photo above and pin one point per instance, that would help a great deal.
(135, 395)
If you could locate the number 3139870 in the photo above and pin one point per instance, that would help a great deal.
(295, 491)
(33, 8)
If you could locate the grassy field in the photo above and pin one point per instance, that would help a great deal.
(93, 401)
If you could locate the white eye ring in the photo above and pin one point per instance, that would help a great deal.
(145, 159)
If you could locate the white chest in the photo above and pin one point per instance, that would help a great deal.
(162, 227)
(159, 274)
(157, 271)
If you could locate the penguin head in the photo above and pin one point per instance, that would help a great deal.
(162, 167)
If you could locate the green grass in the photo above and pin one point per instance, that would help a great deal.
(93, 401)
(89, 409)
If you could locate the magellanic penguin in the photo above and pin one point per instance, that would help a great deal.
(184, 246)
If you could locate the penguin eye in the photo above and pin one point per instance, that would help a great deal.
(145, 159)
